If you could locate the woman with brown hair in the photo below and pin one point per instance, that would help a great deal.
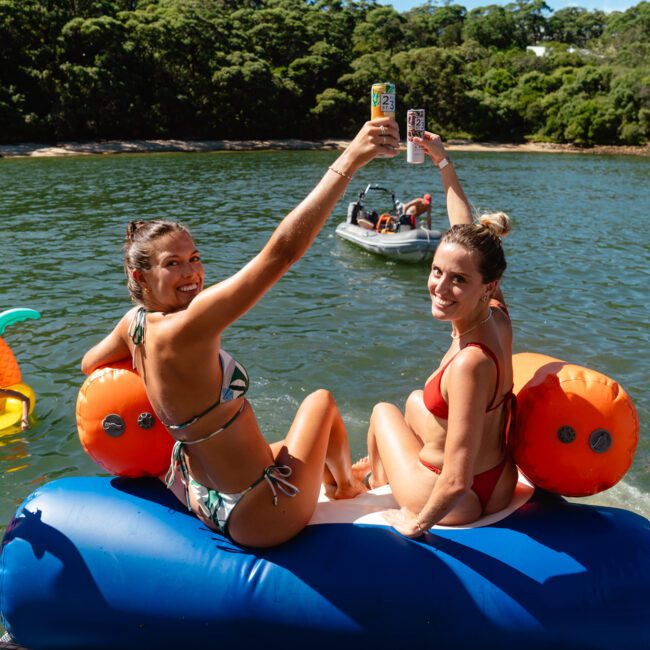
(222, 468)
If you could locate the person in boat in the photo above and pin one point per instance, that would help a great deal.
(222, 467)
(25, 403)
(414, 208)
(445, 457)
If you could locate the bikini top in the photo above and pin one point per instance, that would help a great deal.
(433, 398)
(234, 384)
(234, 378)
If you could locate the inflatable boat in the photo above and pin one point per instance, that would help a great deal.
(387, 234)
(117, 562)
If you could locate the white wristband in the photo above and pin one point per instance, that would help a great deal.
(443, 163)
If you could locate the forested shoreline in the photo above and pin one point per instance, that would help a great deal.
(246, 69)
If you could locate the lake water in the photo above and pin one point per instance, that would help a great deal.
(577, 283)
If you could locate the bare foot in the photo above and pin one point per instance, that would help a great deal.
(346, 490)
(361, 468)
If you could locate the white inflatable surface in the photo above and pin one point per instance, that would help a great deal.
(367, 508)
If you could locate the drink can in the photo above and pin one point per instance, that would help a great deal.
(415, 127)
(382, 100)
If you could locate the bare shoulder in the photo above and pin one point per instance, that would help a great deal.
(473, 361)
(471, 376)
(128, 317)
(125, 324)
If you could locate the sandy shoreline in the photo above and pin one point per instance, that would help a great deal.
(35, 150)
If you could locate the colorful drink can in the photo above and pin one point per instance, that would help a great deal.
(382, 100)
(415, 127)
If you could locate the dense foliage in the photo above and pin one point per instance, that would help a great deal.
(88, 69)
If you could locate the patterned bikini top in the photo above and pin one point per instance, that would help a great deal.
(234, 378)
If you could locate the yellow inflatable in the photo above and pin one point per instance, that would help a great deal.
(11, 408)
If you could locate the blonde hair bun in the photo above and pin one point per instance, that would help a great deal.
(497, 222)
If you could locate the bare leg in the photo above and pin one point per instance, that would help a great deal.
(377, 473)
(317, 438)
(318, 427)
(415, 417)
(394, 450)
(328, 478)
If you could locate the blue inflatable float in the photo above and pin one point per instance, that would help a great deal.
(118, 563)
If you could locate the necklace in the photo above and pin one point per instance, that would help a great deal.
(471, 329)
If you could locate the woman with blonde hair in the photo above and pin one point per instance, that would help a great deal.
(445, 457)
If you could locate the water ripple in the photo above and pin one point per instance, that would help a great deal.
(343, 319)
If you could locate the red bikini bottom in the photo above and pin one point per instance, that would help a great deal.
(484, 483)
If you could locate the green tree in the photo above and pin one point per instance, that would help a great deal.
(530, 20)
(434, 26)
(277, 68)
(381, 31)
(253, 110)
(492, 27)
(575, 26)
(434, 79)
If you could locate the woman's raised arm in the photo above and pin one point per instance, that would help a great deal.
(458, 208)
(219, 305)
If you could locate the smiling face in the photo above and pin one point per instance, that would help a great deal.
(175, 275)
(456, 285)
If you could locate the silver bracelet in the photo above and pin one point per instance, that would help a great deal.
(443, 163)
(340, 173)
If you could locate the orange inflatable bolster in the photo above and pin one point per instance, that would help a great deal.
(9, 369)
(576, 430)
(117, 426)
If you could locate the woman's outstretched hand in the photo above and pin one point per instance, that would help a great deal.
(432, 145)
(379, 137)
(405, 522)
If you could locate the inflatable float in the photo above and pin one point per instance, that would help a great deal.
(10, 375)
(114, 562)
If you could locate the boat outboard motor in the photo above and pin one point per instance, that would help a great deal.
(353, 211)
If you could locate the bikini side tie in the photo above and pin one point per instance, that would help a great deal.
(276, 476)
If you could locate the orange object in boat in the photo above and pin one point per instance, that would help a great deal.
(576, 430)
(9, 369)
(117, 426)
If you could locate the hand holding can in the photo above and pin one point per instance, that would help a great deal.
(415, 128)
(432, 145)
(382, 100)
(382, 104)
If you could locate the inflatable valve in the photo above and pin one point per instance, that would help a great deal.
(576, 430)
(116, 424)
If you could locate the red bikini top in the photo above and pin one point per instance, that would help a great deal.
(433, 399)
